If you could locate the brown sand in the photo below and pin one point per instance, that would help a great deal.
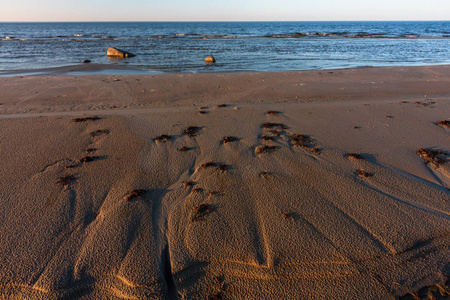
(101, 208)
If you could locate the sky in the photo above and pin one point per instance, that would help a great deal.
(225, 10)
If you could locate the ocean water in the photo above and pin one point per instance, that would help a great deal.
(237, 46)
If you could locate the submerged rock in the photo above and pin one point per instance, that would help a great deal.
(85, 61)
(117, 53)
(210, 59)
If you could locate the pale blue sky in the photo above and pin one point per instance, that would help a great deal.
(225, 10)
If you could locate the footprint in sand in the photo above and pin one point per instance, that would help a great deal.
(218, 166)
(363, 174)
(192, 131)
(88, 159)
(265, 175)
(162, 138)
(85, 119)
(184, 149)
(65, 180)
(99, 132)
(354, 156)
(267, 138)
(273, 113)
(265, 149)
(304, 141)
(188, 183)
(134, 194)
(200, 212)
(439, 160)
(229, 139)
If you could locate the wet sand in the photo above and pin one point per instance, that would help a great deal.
(235, 186)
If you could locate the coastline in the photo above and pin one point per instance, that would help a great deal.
(81, 69)
(297, 220)
(119, 69)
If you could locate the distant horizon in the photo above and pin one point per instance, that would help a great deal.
(242, 21)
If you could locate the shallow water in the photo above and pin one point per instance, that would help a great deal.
(237, 46)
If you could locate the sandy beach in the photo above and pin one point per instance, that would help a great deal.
(331, 184)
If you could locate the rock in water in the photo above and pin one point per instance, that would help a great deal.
(85, 61)
(117, 53)
(210, 59)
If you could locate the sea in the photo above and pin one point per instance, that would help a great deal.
(180, 47)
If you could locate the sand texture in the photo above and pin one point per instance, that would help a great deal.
(299, 185)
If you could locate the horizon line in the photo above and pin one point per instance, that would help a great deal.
(242, 21)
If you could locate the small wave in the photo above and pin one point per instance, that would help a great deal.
(13, 40)
(78, 35)
(304, 34)
(359, 35)
(198, 35)
(106, 37)
(409, 35)
(213, 35)
(55, 37)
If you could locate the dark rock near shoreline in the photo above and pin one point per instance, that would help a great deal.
(85, 61)
(210, 59)
(117, 53)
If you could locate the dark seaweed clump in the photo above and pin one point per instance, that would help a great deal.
(354, 156)
(65, 180)
(267, 138)
(274, 125)
(272, 113)
(301, 140)
(87, 159)
(85, 119)
(265, 149)
(218, 166)
(99, 132)
(163, 138)
(183, 149)
(229, 139)
(200, 212)
(431, 156)
(363, 174)
(134, 194)
(304, 141)
(192, 131)
(444, 123)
